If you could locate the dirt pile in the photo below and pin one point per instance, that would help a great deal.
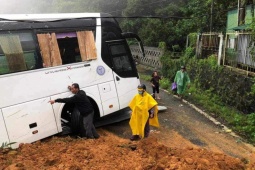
(112, 152)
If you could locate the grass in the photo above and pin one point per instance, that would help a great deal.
(6, 145)
(242, 124)
(145, 77)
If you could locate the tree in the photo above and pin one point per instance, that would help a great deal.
(193, 15)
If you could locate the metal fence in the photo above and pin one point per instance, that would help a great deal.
(239, 51)
(152, 56)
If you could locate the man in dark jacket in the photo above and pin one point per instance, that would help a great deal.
(85, 108)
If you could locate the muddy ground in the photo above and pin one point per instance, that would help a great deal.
(186, 140)
(112, 152)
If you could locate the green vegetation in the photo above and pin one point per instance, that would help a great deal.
(225, 95)
(253, 88)
(216, 89)
(179, 17)
(6, 145)
(164, 83)
(145, 77)
(243, 124)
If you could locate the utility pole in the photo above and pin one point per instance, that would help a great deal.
(238, 12)
(211, 16)
(241, 11)
(211, 20)
(252, 10)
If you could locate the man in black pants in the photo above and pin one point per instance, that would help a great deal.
(85, 108)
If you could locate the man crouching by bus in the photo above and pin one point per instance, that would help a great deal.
(85, 108)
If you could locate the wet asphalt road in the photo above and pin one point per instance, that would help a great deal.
(190, 125)
(169, 119)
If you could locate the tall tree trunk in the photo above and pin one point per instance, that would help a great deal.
(242, 11)
(252, 10)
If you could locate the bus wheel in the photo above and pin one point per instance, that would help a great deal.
(70, 120)
(75, 121)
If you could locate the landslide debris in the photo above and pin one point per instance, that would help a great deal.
(112, 152)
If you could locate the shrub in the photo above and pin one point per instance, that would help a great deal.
(225, 94)
(164, 83)
(189, 52)
(6, 145)
(145, 77)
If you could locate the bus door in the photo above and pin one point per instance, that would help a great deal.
(124, 71)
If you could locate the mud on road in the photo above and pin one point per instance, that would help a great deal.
(182, 127)
(112, 152)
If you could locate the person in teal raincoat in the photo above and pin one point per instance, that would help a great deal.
(182, 80)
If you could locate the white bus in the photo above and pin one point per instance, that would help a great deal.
(41, 54)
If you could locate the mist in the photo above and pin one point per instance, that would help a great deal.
(113, 7)
(61, 6)
(46, 6)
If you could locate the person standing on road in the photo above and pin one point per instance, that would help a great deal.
(85, 108)
(155, 84)
(144, 113)
(182, 80)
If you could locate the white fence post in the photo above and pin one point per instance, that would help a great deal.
(220, 48)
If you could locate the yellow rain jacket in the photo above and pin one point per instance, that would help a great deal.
(140, 105)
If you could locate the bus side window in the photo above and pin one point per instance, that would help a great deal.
(4, 68)
(87, 45)
(121, 61)
(17, 52)
(67, 50)
(31, 55)
(76, 46)
(49, 49)
(77, 54)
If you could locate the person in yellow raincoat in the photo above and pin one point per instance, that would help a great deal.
(144, 113)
